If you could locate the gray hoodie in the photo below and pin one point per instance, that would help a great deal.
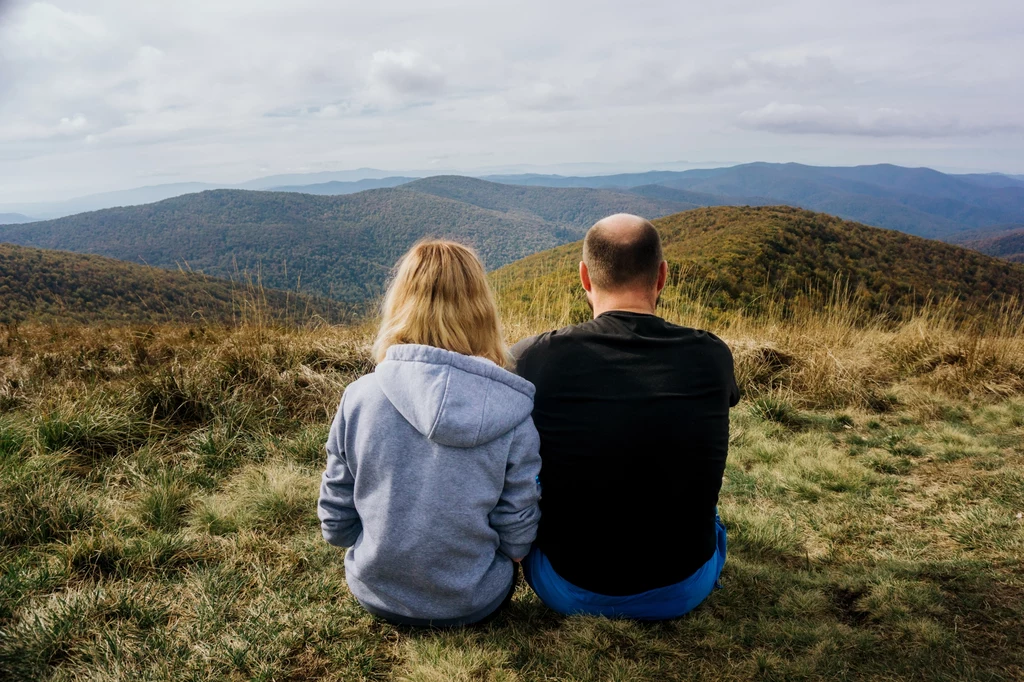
(431, 480)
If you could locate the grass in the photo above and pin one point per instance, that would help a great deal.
(157, 521)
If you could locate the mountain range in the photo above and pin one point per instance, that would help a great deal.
(915, 200)
(340, 182)
(342, 247)
(45, 285)
(918, 201)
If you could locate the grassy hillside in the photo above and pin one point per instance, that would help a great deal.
(342, 247)
(158, 490)
(757, 258)
(42, 285)
(158, 485)
(1007, 244)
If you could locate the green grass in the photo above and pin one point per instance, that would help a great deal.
(157, 521)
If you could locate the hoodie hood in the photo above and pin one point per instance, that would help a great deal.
(453, 399)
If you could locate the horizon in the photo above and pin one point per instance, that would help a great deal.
(486, 173)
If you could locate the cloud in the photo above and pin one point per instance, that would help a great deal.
(405, 73)
(42, 31)
(71, 123)
(819, 120)
(773, 70)
(220, 91)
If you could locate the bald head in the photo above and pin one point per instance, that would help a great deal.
(622, 251)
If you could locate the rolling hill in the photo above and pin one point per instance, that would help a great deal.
(579, 207)
(342, 247)
(734, 255)
(14, 218)
(1007, 243)
(918, 201)
(39, 284)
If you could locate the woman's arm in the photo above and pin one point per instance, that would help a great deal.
(517, 513)
(336, 508)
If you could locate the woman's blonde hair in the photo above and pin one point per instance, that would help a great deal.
(440, 297)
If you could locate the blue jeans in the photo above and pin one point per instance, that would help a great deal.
(662, 603)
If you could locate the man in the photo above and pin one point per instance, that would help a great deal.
(633, 415)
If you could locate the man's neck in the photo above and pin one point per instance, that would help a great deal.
(622, 306)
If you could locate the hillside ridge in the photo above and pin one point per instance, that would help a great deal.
(60, 286)
(342, 247)
(751, 257)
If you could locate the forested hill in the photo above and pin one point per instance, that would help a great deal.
(38, 284)
(1007, 243)
(343, 247)
(737, 254)
(579, 207)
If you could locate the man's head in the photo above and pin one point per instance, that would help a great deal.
(623, 267)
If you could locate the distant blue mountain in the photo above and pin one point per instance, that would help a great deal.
(127, 197)
(14, 219)
(336, 187)
(293, 179)
(150, 194)
(919, 201)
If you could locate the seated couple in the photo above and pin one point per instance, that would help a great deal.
(434, 475)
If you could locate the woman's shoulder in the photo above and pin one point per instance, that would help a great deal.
(364, 390)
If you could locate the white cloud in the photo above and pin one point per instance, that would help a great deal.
(819, 120)
(76, 122)
(405, 73)
(42, 31)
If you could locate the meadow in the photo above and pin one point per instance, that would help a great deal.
(158, 488)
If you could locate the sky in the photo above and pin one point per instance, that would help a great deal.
(113, 94)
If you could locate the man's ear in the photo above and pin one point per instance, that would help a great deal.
(585, 277)
(662, 275)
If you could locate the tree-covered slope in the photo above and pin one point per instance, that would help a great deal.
(338, 246)
(1007, 243)
(737, 254)
(342, 247)
(38, 284)
(579, 207)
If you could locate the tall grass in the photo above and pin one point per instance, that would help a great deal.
(819, 350)
(158, 486)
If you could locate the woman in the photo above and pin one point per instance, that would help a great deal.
(432, 459)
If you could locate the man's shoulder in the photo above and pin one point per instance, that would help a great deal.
(545, 340)
(534, 353)
(712, 340)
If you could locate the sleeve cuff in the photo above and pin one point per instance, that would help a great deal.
(341, 538)
(515, 551)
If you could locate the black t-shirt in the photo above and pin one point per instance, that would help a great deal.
(633, 415)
